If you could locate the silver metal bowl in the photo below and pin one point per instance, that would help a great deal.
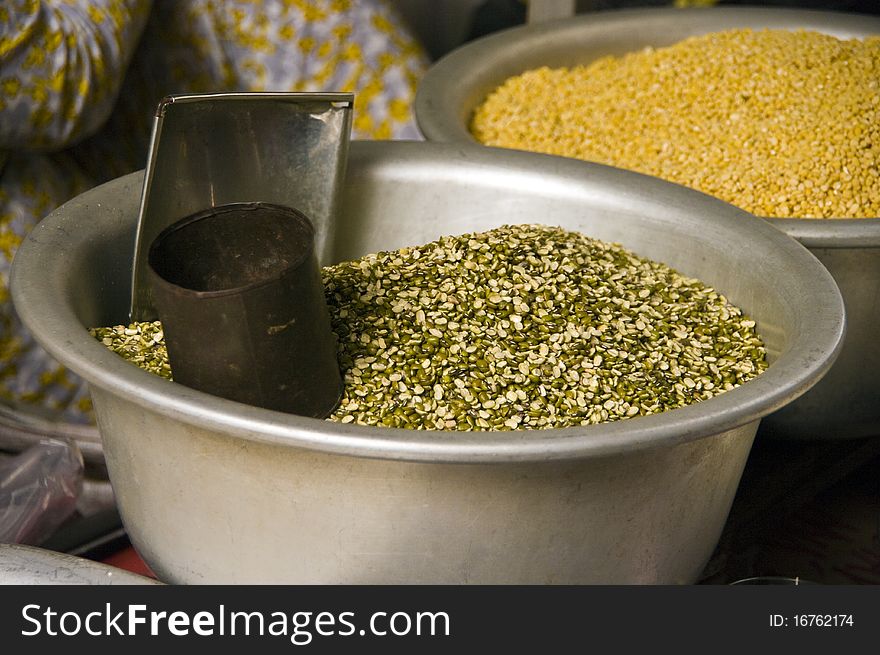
(845, 404)
(29, 565)
(211, 490)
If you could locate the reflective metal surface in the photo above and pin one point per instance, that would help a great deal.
(29, 565)
(772, 580)
(211, 490)
(845, 404)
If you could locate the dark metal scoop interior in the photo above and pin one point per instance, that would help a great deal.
(232, 247)
(239, 293)
(207, 150)
(236, 217)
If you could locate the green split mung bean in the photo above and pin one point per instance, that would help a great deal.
(140, 343)
(524, 326)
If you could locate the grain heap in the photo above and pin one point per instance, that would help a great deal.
(140, 343)
(779, 123)
(523, 326)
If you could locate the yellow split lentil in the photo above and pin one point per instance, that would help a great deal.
(780, 123)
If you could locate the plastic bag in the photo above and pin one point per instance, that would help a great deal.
(39, 489)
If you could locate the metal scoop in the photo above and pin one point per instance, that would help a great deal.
(239, 293)
(289, 149)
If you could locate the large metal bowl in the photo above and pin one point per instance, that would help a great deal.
(845, 403)
(215, 491)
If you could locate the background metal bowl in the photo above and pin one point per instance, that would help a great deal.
(845, 403)
(29, 565)
(211, 490)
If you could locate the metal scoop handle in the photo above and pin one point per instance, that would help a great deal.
(207, 150)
